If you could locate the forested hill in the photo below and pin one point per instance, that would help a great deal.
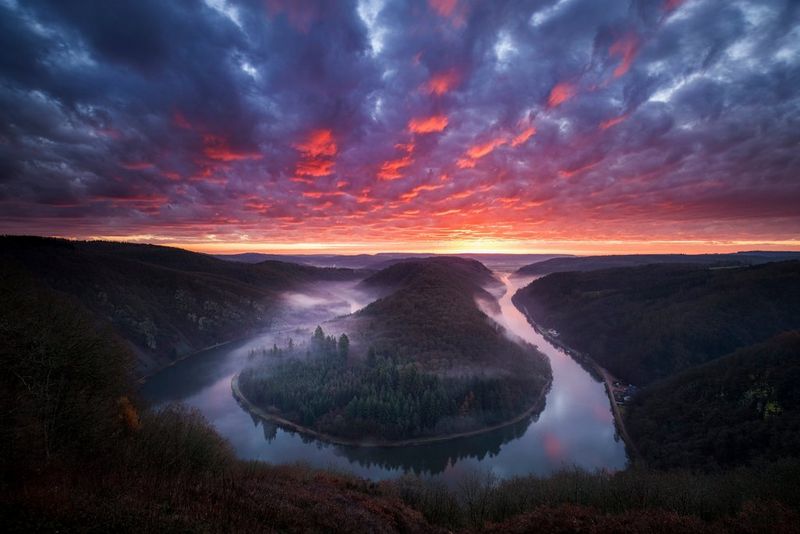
(737, 409)
(166, 302)
(646, 323)
(465, 274)
(425, 362)
(594, 263)
(431, 314)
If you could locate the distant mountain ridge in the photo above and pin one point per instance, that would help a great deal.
(166, 302)
(380, 260)
(593, 263)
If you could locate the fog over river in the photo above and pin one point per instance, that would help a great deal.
(576, 427)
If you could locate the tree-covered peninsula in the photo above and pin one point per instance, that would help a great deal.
(428, 363)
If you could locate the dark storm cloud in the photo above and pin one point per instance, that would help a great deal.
(253, 117)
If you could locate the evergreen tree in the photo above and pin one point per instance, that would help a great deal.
(344, 346)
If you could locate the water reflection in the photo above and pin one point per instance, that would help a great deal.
(575, 427)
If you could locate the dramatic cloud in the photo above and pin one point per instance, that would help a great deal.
(572, 125)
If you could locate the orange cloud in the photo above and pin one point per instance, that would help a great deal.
(626, 48)
(560, 93)
(323, 194)
(523, 136)
(441, 83)
(479, 151)
(424, 125)
(217, 148)
(414, 193)
(390, 170)
(405, 147)
(605, 125)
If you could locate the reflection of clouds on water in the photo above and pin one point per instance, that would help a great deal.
(575, 427)
(553, 447)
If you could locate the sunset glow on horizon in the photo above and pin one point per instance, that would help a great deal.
(442, 126)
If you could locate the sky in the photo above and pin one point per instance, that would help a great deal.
(577, 126)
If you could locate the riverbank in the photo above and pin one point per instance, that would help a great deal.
(537, 406)
(143, 378)
(598, 371)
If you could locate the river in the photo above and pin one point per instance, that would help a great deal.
(576, 427)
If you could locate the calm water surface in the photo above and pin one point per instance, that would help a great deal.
(576, 427)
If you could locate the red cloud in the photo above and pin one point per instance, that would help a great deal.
(523, 136)
(671, 5)
(441, 83)
(319, 143)
(138, 166)
(314, 167)
(217, 148)
(560, 93)
(566, 173)
(444, 7)
(390, 170)
(180, 121)
(465, 163)
(301, 14)
(317, 153)
(626, 48)
(424, 125)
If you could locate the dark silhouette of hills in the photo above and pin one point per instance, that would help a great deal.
(80, 453)
(166, 302)
(740, 408)
(716, 349)
(646, 323)
(593, 263)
